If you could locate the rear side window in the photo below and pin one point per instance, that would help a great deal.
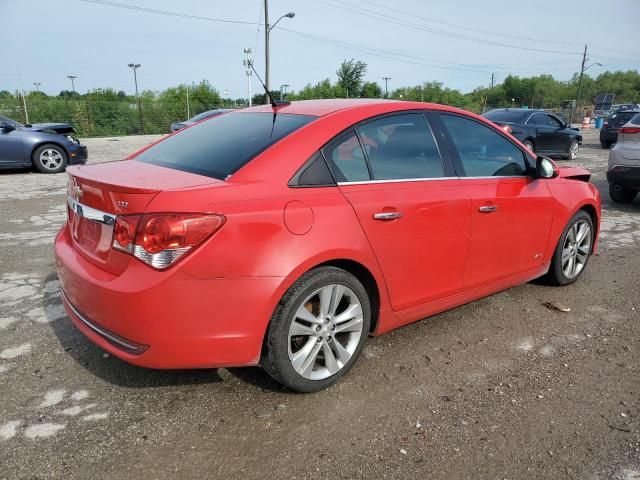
(483, 152)
(219, 147)
(314, 173)
(401, 147)
(347, 158)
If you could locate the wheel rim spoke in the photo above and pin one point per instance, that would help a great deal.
(320, 346)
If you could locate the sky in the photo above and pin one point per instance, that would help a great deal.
(457, 42)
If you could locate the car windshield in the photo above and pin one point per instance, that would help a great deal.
(219, 147)
(510, 116)
(203, 115)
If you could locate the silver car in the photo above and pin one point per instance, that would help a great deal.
(623, 172)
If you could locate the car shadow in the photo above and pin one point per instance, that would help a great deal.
(117, 372)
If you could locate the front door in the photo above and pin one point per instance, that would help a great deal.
(415, 213)
(11, 146)
(511, 210)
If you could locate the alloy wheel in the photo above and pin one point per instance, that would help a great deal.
(51, 159)
(325, 332)
(576, 249)
(573, 151)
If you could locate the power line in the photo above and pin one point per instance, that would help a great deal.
(432, 20)
(165, 12)
(405, 23)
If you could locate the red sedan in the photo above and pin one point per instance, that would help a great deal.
(284, 236)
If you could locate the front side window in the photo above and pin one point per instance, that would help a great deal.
(401, 147)
(483, 152)
(554, 122)
(219, 147)
(347, 158)
(539, 119)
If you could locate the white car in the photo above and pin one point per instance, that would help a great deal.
(623, 172)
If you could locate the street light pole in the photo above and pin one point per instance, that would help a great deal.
(73, 85)
(386, 85)
(134, 67)
(283, 90)
(37, 84)
(267, 31)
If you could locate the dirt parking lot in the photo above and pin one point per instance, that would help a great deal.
(500, 388)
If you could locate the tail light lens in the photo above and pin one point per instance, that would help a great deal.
(159, 240)
(629, 130)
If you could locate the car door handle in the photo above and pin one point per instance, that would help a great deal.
(387, 215)
(488, 208)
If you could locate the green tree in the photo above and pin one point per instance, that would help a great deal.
(350, 76)
(371, 90)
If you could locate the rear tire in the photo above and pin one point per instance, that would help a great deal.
(49, 158)
(621, 195)
(572, 251)
(605, 145)
(313, 340)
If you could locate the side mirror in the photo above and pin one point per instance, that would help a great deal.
(7, 127)
(546, 168)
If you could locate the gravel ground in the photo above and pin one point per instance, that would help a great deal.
(500, 388)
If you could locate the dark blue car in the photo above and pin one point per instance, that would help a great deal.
(49, 147)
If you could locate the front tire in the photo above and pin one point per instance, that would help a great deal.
(317, 330)
(573, 250)
(621, 195)
(49, 158)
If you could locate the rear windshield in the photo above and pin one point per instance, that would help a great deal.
(622, 117)
(636, 120)
(504, 116)
(220, 146)
(203, 115)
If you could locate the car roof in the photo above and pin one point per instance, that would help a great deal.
(324, 107)
(519, 110)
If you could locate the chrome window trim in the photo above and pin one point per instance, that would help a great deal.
(397, 180)
(90, 212)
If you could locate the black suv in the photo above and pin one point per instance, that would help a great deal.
(540, 131)
(609, 130)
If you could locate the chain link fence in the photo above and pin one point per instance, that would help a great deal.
(98, 118)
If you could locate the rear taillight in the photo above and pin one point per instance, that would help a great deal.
(629, 130)
(159, 240)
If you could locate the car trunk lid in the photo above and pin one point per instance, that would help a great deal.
(97, 194)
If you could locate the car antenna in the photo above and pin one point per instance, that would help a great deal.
(274, 103)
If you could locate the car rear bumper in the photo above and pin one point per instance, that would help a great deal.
(165, 319)
(626, 176)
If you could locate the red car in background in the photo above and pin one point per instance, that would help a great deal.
(284, 236)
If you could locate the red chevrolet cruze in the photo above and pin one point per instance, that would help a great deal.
(284, 236)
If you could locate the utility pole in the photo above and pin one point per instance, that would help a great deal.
(247, 62)
(386, 86)
(188, 106)
(582, 69)
(134, 67)
(73, 85)
(37, 84)
(266, 45)
(493, 75)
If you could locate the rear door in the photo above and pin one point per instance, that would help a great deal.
(511, 210)
(544, 134)
(415, 213)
